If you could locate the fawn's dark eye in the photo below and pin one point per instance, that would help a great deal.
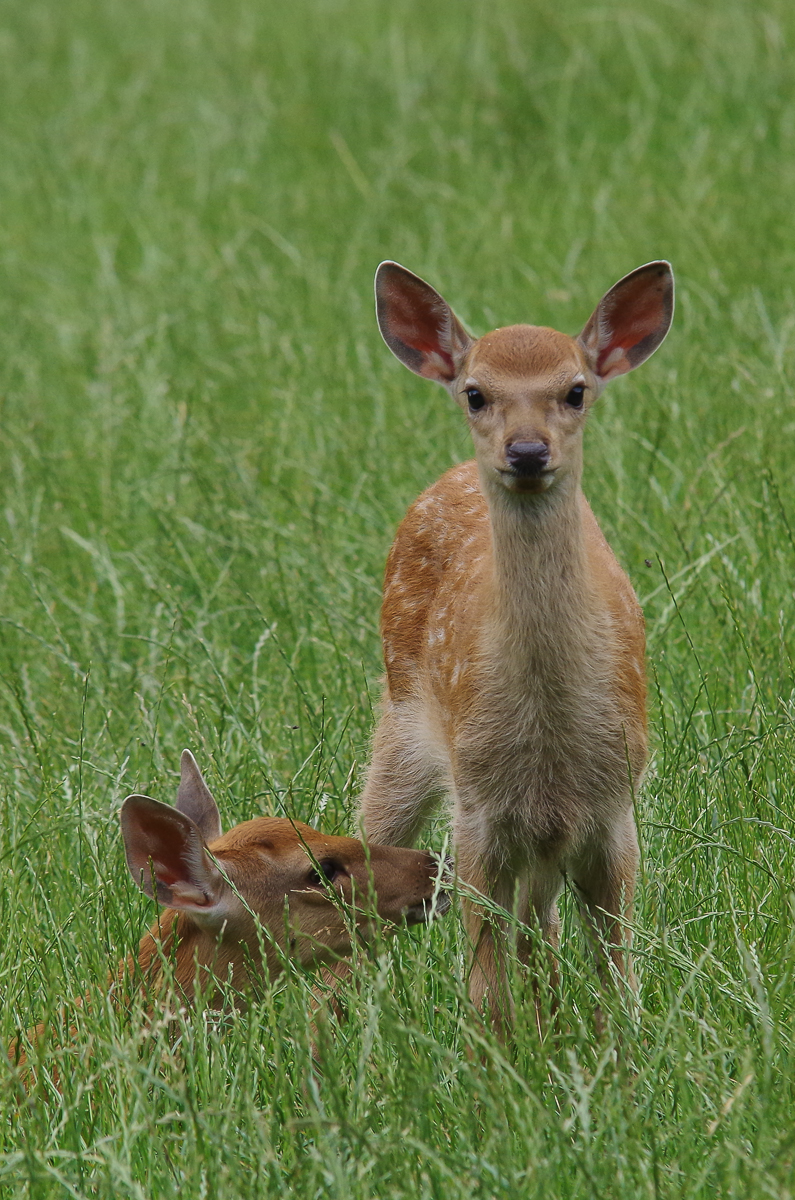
(329, 870)
(476, 400)
(574, 398)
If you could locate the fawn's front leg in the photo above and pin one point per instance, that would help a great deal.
(403, 780)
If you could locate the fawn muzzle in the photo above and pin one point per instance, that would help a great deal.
(435, 901)
(427, 910)
(527, 459)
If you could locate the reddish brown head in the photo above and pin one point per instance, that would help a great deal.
(307, 890)
(526, 389)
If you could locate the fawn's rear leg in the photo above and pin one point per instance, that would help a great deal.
(487, 935)
(404, 780)
(488, 932)
(604, 879)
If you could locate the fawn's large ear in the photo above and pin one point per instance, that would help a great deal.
(630, 321)
(195, 799)
(167, 856)
(419, 326)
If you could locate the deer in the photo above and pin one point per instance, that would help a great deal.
(513, 642)
(239, 905)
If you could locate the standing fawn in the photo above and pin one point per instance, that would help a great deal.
(513, 641)
(239, 903)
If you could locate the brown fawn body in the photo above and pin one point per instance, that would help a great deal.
(238, 904)
(513, 641)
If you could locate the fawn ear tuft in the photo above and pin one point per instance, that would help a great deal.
(630, 321)
(195, 799)
(167, 857)
(418, 325)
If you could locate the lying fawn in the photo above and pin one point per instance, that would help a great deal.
(239, 903)
(513, 641)
(269, 886)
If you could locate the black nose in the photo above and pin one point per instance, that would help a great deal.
(527, 458)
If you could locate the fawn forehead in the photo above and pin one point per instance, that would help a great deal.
(525, 353)
(274, 834)
(283, 838)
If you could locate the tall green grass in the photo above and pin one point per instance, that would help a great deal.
(204, 451)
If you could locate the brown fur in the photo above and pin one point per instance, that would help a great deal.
(238, 904)
(268, 862)
(513, 641)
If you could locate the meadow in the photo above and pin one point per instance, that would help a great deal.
(205, 449)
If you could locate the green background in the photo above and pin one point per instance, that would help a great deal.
(204, 451)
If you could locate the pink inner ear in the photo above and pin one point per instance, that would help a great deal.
(610, 357)
(414, 316)
(637, 312)
(431, 348)
(168, 849)
(163, 875)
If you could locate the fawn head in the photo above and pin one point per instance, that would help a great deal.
(526, 389)
(307, 890)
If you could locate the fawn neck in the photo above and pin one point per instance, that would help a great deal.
(543, 609)
(192, 951)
